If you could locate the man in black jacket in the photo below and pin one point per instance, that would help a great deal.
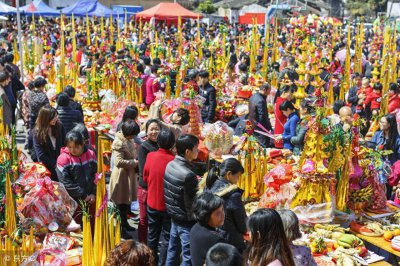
(70, 91)
(353, 98)
(68, 117)
(180, 188)
(258, 113)
(207, 91)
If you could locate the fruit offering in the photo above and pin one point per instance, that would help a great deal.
(350, 241)
(390, 234)
(318, 247)
(344, 257)
(361, 195)
(367, 228)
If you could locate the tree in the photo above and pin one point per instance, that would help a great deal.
(207, 7)
(365, 7)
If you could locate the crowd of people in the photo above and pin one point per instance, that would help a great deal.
(182, 217)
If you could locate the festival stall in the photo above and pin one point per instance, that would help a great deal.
(6, 9)
(87, 7)
(39, 7)
(167, 12)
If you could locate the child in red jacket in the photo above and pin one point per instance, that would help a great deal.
(374, 98)
(362, 93)
(394, 98)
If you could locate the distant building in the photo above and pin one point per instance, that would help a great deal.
(393, 8)
(232, 9)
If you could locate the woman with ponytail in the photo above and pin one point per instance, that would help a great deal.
(222, 181)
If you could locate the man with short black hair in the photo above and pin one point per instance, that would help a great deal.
(70, 91)
(258, 113)
(180, 188)
(353, 97)
(208, 92)
(9, 59)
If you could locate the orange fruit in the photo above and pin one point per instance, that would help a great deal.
(388, 235)
(396, 232)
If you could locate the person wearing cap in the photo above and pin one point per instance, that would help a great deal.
(208, 92)
(258, 113)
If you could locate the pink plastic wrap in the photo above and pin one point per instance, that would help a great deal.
(168, 107)
(58, 241)
(279, 175)
(280, 190)
(46, 203)
(117, 111)
(378, 200)
(278, 198)
(47, 257)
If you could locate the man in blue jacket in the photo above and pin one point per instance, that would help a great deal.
(258, 113)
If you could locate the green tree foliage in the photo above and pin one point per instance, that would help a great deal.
(207, 7)
(365, 7)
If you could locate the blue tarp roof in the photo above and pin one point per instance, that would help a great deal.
(91, 7)
(38, 7)
(129, 9)
(6, 9)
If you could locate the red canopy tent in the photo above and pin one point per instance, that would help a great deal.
(168, 12)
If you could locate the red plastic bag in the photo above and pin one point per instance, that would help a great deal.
(33, 171)
(46, 203)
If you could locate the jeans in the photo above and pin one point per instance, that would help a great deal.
(159, 223)
(142, 227)
(179, 240)
(32, 121)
